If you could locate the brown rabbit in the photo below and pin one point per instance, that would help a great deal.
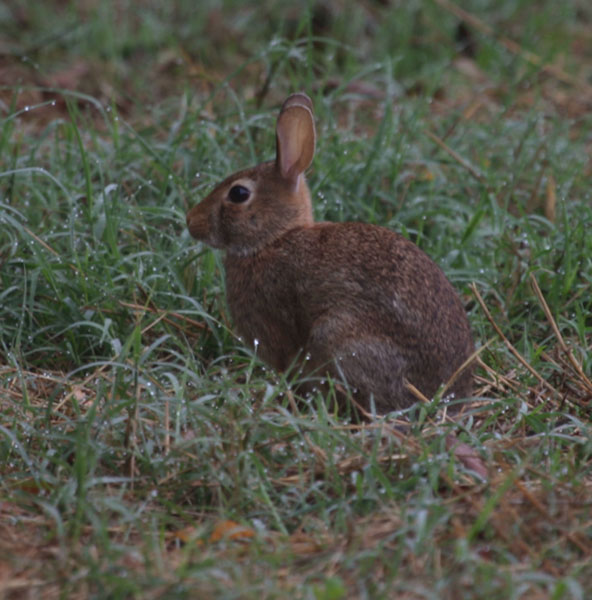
(352, 300)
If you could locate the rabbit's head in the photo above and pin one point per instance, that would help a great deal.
(254, 207)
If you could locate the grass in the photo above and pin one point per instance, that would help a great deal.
(144, 452)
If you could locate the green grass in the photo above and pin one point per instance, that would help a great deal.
(135, 424)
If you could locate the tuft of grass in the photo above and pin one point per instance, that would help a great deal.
(144, 451)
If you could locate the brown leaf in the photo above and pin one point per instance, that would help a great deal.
(230, 530)
(467, 456)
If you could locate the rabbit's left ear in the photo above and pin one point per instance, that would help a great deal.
(295, 136)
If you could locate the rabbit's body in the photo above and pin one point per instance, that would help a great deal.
(352, 300)
(350, 293)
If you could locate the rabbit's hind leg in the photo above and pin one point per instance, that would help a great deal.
(374, 370)
(370, 367)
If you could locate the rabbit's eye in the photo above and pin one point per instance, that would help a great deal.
(238, 194)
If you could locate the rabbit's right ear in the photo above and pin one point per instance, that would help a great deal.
(295, 136)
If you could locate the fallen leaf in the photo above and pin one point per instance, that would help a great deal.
(467, 456)
(230, 530)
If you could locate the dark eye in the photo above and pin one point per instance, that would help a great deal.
(238, 194)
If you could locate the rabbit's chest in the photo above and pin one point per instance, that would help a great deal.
(264, 308)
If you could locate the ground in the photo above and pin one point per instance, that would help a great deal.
(145, 452)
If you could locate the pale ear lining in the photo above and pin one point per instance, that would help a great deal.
(295, 138)
(298, 98)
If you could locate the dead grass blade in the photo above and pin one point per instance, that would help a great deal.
(163, 314)
(564, 347)
(515, 48)
(540, 508)
(509, 345)
(457, 157)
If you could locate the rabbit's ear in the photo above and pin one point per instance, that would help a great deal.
(295, 136)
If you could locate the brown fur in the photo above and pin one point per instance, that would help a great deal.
(353, 300)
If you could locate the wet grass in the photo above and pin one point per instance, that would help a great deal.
(144, 452)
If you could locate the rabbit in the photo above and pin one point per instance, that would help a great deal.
(354, 301)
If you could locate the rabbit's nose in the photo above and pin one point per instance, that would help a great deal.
(190, 220)
(194, 220)
(198, 223)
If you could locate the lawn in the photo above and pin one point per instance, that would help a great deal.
(145, 452)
